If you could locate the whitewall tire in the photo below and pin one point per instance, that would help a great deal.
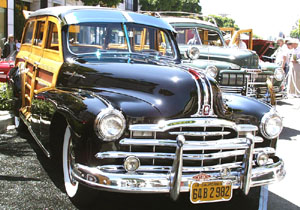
(71, 186)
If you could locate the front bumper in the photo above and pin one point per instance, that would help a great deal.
(161, 183)
(174, 181)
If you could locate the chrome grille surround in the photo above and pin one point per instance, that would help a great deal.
(200, 146)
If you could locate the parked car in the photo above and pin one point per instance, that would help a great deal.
(5, 65)
(272, 72)
(236, 70)
(104, 93)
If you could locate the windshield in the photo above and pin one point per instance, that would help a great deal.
(95, 38)
(198, 36)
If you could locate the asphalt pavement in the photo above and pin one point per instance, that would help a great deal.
(28, 180)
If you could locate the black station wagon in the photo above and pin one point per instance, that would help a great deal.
(104, 93)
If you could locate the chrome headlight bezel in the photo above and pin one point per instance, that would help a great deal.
(103, 117)
(279, 74)
(212, 71)
(193, 53)
(271, 119)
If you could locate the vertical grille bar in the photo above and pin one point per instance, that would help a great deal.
(204, 138)
(220, 160)
(154, 149)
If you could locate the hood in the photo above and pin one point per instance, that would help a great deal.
(243, 58)
(170, 90)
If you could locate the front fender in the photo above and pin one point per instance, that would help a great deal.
(78, 108)
(245, 109)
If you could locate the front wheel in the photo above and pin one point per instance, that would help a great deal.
(78, 193)
(71, 186)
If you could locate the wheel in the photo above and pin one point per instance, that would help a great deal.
(71, 186)
(79, 194)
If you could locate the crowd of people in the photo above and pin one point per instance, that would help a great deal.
(9, 46)
(287, 56)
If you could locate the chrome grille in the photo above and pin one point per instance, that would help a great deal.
(209, 144)
(232, 79)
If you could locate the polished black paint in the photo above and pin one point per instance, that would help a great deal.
(170, 90)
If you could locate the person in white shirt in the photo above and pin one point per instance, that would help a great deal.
(293, 86)
(240, 43)
(296, 50)
(281, 54)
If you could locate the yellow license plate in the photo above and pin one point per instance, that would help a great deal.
(201, 192)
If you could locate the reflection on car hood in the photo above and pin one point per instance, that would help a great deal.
(172, 91)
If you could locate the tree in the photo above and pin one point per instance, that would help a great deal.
(104, 3)
(171, 5)
(225, 22)
(295, 33)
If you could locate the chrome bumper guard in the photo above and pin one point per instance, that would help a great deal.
(177, 178)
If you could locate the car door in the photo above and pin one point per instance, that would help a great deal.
(46, 77)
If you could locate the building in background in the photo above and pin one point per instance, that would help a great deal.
(11, 17)
(12, 20)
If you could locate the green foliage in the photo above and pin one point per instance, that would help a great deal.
(295, 33)
(103, 3)
(171, 5)
(6, 102)
(225, 22)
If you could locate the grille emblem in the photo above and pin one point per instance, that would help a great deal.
(205, 109)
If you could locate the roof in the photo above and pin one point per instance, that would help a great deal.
(187, 20)
(80, 14)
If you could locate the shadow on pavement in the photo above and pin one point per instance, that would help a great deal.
(280, 103)
(278, 203)
(15, 178)
(288, 133)
(119, 201)
(52, 170)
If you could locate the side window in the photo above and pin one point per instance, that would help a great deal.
(52, 38)
(39, 34)
(28, 33)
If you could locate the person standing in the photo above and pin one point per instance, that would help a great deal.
(282, 54)
(18, 45)
(9, 46)
(293, 87)
(240, 44)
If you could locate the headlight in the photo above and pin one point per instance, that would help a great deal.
(193, 53)
(212, 71)
(279, 74)
(271, 125)
(109, 124)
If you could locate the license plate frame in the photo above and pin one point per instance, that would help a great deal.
(210, 191)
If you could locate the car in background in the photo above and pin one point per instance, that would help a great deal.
(104, 94)
(5, 65)
(264, 48)
(236, 70)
